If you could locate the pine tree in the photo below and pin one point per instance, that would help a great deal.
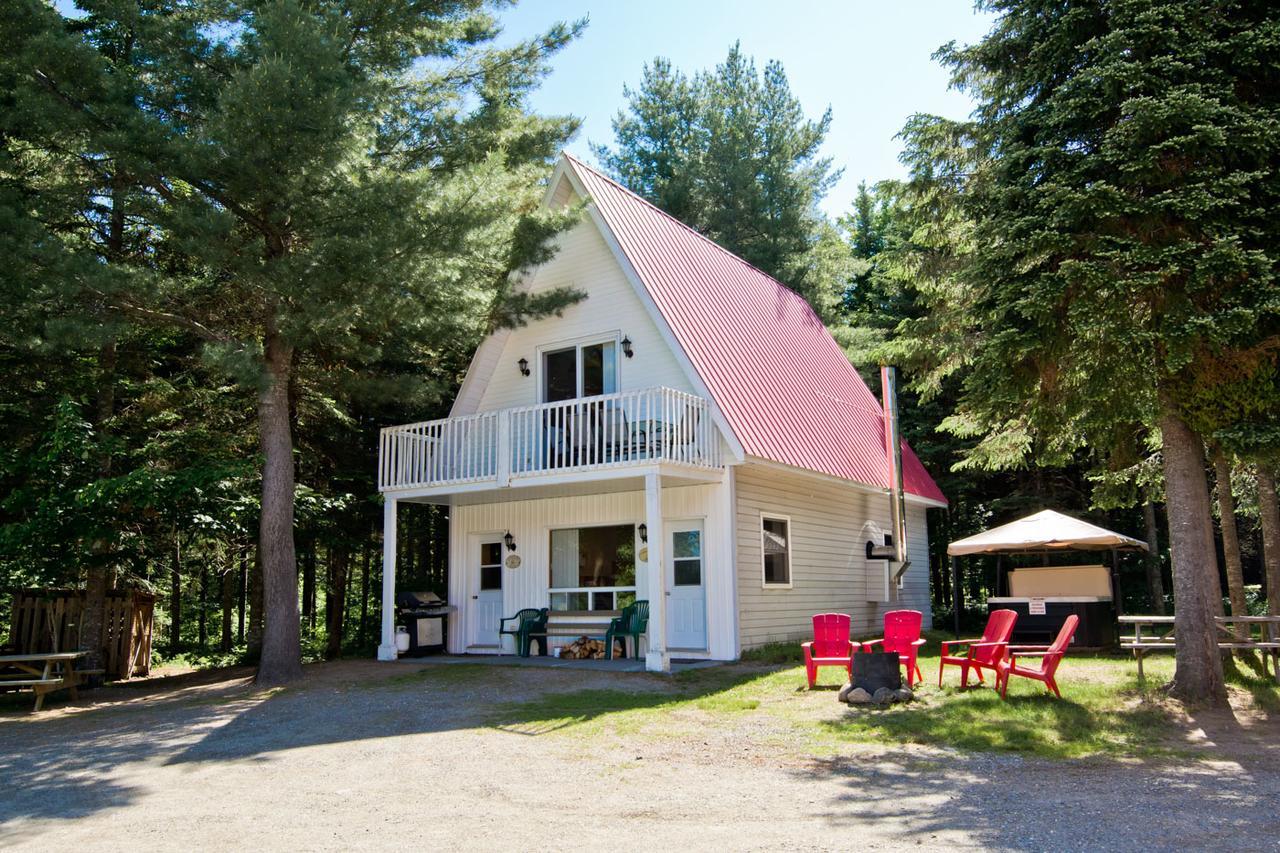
(311, 182)
(731, 154)
(658, 140)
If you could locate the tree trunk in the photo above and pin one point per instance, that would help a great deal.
(94, 615)
(202, 607)
(1269, 512)
(364, 598)
(175, 595)
(281, 660)
(1230, 539)
(1155, 580)
(255, 604)
(244, 592)
(309, 583)
(336, 611)
(1198, 677)
(228, 590)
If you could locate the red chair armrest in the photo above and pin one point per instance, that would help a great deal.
(919, 642)
(866, 644)
(947, 644)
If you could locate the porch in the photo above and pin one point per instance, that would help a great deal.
(616, 665)
(585, 556)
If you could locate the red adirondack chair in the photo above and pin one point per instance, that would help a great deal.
(831, 645)
(901, 635)
(1050, 657)
(980, 654)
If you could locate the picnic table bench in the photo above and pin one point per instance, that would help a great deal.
(1161, 638)
(44, 672)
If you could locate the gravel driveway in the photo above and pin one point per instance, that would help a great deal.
(372, 756)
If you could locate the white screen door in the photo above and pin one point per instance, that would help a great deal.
(486, 591)
(686, 585)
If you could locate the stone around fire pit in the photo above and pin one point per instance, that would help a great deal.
(885, 696)
(858, 696)
(904, 695)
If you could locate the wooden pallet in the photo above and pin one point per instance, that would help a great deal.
(48, 620)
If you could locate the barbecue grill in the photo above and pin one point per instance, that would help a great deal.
(426, 617)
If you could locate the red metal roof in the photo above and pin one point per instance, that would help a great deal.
(786, 388)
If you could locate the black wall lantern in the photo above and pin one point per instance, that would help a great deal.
(524, 366)
(510, 540)
(644, 532)
(626, 347)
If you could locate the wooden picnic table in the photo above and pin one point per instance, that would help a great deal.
(43, 672)
(1161, 637)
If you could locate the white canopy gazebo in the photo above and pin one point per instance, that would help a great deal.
(1046, 532)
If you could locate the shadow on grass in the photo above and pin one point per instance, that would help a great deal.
(1249, 672)
(977, 720)
(714, 690)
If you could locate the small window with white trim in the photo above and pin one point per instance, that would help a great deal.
(775, 545)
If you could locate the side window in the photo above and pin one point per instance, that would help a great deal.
(775, 544)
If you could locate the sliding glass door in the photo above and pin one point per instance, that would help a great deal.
(570, 373)
(583, 370)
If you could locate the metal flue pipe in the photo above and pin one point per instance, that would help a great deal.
(896, 551)
(893, 453)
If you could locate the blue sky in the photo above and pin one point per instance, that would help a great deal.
(869, 61)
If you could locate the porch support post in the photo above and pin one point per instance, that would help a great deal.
(387, 649)
(656, 660)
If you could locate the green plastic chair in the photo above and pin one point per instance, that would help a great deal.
(632, 622)
(529, 621)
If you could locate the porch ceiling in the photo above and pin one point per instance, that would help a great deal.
(627, 480)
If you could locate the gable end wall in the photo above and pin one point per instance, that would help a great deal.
(584, 263)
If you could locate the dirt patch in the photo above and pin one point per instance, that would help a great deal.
(362, 755)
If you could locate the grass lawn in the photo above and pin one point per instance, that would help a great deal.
(1102, 711)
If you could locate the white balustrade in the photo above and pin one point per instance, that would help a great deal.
(582, 434)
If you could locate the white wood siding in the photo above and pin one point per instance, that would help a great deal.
(584, 263)
(830, 525)
(531, 521)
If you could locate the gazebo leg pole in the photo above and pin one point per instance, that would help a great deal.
(957, 594)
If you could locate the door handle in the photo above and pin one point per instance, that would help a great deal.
(475, 597)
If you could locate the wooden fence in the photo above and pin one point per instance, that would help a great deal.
(48, 620)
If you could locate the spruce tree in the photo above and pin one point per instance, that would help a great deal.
(1118, 175)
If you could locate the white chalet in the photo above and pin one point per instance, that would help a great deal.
(689, 434)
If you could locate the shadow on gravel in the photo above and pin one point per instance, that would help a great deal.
(1004, 802)
(57, 765)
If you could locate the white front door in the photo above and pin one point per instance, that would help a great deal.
(686, 586)
(486, 591)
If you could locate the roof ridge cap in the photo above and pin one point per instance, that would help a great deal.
(694, 231)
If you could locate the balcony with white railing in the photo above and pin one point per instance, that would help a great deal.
(586, 434)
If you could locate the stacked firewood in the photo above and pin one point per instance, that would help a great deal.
(585, 648)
